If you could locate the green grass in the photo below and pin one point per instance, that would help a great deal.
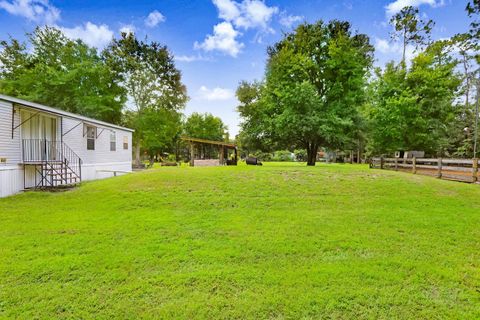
(281, 241)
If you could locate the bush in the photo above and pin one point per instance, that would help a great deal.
(171, 158)
(283, 156)
(300, 155)
(262, 156)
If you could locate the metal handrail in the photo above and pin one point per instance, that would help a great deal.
(45, 151)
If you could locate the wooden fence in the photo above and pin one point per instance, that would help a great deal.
(464, 170)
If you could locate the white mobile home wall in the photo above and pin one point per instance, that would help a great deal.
(96, 164)
(11, 172)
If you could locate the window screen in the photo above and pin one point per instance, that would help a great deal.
(113, 141)
(91, 135)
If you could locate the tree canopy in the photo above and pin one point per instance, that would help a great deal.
(153, 84)
(205, 126)
(62, 73)
(412, 109)
(410, 28)
(314, 82)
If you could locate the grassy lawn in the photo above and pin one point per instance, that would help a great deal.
(281, 241)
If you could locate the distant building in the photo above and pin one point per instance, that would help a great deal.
(44, 147)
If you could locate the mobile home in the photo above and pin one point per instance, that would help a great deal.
(44, 147)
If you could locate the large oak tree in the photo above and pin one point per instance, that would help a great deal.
(314, 84)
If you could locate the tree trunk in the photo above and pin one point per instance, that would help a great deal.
(177, 152)
(467, 78)
(312, 150)
(137, 153)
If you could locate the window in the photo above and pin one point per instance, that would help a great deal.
(113, 141)
(125, 143)
(91, 135)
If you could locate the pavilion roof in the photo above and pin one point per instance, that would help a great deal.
(213, 142)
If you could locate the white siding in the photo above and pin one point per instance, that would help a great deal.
(11, 180)
(104, 170)
(32, 177)
(9, 148)
(96, 163)
(101, 159)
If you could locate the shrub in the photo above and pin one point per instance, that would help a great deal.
(283, 156)
(262, 156)
(300, 155)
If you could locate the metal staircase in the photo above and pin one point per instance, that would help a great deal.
(56, 165)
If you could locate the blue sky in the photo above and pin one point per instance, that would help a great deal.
(218, 43)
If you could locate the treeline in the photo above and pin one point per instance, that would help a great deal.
(321, 91)
(131, 82)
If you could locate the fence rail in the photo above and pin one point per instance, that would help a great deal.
(464, 170)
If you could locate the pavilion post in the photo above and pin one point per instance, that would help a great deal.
(221, 155)
(192, 155)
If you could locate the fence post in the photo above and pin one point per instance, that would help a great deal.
(396, 164)
(381, 162)
(474, 170)
(439, 170)
(414, 165)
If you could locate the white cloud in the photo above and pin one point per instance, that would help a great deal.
(191, 58)
(289, 20)
(223, 40)
(348, 5)
(394, 7)
(40, 11)
(255, 14)
(227, 9)
(393, 49)
(94, 35)
(215, 94)
(128, 28)
(384, 46)
(248, 14)
(154, 18)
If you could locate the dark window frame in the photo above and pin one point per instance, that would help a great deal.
(91, 137)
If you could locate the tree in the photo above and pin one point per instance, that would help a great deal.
(414, 109)
(161, 130)
(154, 88)
(410, 28)
(467, 48)
(251, 136)
(205, 126)
(65, 74)
(315, 80)
(473, 10)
